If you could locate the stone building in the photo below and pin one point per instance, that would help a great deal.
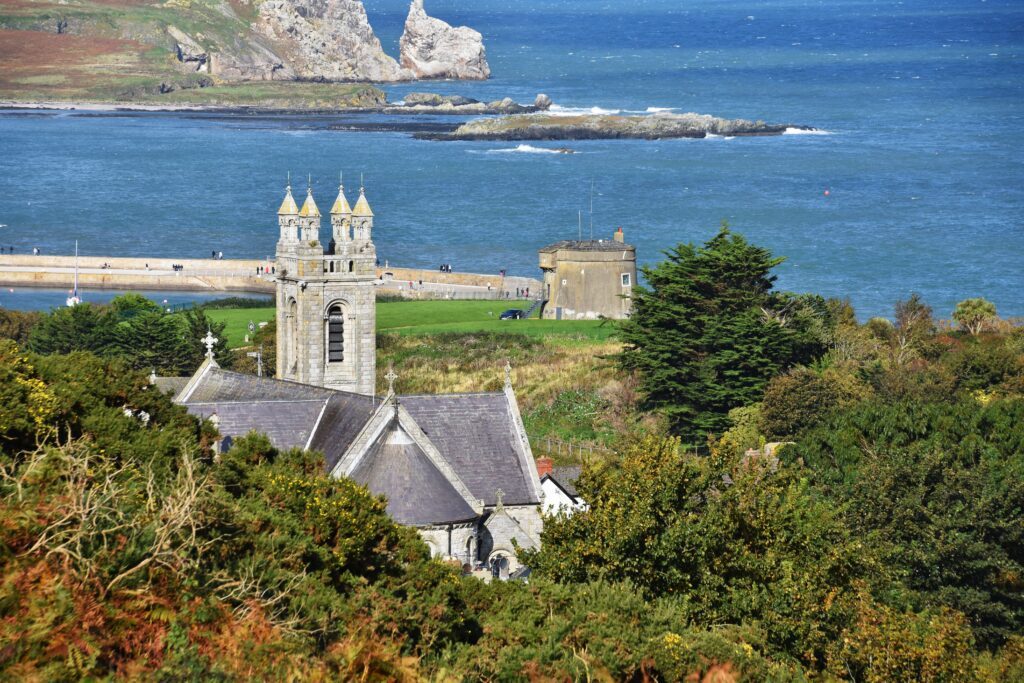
(325, 297)
(457, 467)
(588, 279)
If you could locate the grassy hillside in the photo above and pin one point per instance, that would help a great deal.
(118, 52)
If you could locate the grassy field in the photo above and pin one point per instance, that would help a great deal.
(435, 317)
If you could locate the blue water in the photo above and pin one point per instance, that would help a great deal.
(41, 299)
(923, 100)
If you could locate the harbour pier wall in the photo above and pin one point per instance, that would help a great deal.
(233, 275)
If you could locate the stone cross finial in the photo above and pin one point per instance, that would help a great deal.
(499, 496)
(391, 377)
(508, 374)
(210, 341)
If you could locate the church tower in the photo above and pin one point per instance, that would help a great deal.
(326, 312)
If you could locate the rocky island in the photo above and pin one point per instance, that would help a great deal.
(607, 127)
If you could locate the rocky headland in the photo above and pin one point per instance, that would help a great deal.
(608, 127)
(103, 51)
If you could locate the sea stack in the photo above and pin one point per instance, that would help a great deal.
(431, 48)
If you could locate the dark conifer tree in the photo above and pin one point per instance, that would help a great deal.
(707, 332)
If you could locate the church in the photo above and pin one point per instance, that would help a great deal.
(457, 467)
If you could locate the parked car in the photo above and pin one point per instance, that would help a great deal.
(512, 314)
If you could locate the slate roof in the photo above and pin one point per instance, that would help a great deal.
(288, 424)
(218, 385)
(475, 434)
(418, 493)
(566, 476)
(287, 412)
(170, 385)
(345, 416)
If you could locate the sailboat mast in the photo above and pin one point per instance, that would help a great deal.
(76, 268)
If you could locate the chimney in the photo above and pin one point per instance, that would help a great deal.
(618, 236)
(544, 466)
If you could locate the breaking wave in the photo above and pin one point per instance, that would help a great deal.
(801, 131)
(558, 110)
(524, 149)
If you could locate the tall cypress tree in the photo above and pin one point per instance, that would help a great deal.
(707, 332)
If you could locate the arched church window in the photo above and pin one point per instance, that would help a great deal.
(351, 265)
(332, 266)
(335, 335)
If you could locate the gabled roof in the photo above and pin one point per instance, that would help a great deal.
(345, 416)
(170, 385)
(288, 424)
(418, 493)
(435, 457)
(217, 385)
(290, 413)
(565, 476)
(476, 435)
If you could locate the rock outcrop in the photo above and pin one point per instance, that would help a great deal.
(432, 103)
(243, 59)
(327, 39)
(608, 127)
(431, 48)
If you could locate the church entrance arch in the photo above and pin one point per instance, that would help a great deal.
(499, 564)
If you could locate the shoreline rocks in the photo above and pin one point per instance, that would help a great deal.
(608, 127)
(431, 48)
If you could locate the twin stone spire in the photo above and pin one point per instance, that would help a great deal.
(347, 223)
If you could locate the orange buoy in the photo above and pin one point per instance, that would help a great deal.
(827, 193)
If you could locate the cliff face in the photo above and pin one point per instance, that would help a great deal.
(329, 39)
(430, 48)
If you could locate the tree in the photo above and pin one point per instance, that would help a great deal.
(134, 328)
(938, 489)
(732, 539)
(708, 332)
(914, 325)
(794, 401)
(974, 315)
(17, 325)
(79, 328)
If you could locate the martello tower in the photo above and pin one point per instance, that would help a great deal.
(326, 314)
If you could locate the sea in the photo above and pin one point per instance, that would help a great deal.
(913, 183)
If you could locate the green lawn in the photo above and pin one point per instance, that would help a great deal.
(237, 320)
(434, 317)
